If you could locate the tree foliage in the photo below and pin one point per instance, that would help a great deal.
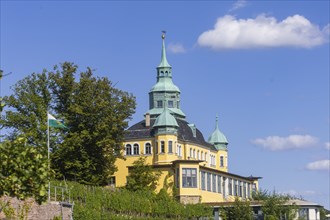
(275, 206)
(142, 176)
(23, 171)
(241, 210)
(27, 114)
(94, 110)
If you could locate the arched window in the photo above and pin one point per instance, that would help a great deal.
(198, 154)
(194, 153)
(128, 149)
(136, 150)
(147, 148)
(202, 154)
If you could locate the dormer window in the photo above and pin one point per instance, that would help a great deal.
(170, 104)
(159, 104)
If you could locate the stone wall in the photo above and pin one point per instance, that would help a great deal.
(190, 199)
(33, 211)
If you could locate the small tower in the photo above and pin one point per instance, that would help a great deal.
(164, 89)
(217, 138)
(165, 123)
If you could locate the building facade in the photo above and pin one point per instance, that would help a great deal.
(195, 168)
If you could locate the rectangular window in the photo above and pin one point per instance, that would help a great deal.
(170, 147)
(177, 177)
(221, 161)
(219, 184)
(203, 180)
(170, 104)
(235, 187)
(244, 190)
(189, 177)
(208, 181)
(224, 193)
(230, 187)
(240, 189)
(214, 183)
(160, 104)
(162, 147)
(179, 150)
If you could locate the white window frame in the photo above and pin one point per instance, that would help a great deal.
(145, 148)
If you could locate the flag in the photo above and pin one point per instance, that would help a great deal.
(53, 122)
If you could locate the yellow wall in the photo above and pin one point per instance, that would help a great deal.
(168, 173)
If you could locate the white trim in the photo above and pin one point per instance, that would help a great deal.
(144, 152)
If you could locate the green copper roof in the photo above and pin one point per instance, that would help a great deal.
(165, 85)
(163, 62)
(217, 137)
(158, 111)
(166, 120)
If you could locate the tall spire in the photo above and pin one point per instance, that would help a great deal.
(163, 62)
(216, 121)
(164, 94)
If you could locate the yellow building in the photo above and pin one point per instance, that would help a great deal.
(196, 169)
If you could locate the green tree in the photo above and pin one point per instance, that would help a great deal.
(240, 210)
(275, 206)
(96, 114)
(27, 110)
(142, 176)
(94, 110)
(23, 170)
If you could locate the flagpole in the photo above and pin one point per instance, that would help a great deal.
(48, 157)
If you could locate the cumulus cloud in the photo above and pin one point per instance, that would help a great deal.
(277, 143)
(176, 48)
(327, 145)
(237, 5)
(319, 165)
(263, 31)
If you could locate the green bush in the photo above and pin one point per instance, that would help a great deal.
(103, 203)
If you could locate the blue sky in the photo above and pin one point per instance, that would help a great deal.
(263, 66)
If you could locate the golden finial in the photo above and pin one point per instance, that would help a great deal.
(163, 34)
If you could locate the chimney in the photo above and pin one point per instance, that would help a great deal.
(147, 120)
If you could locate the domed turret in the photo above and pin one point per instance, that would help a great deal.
(164, 92)
(165, 119)
(218, 139)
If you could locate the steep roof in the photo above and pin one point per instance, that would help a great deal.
(140, 131)
(165, 119)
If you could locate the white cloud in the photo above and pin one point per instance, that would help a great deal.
(237, 5)
(327, 145)
(319, 165)
(277, 143)
(176, 48)
(232, 33)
